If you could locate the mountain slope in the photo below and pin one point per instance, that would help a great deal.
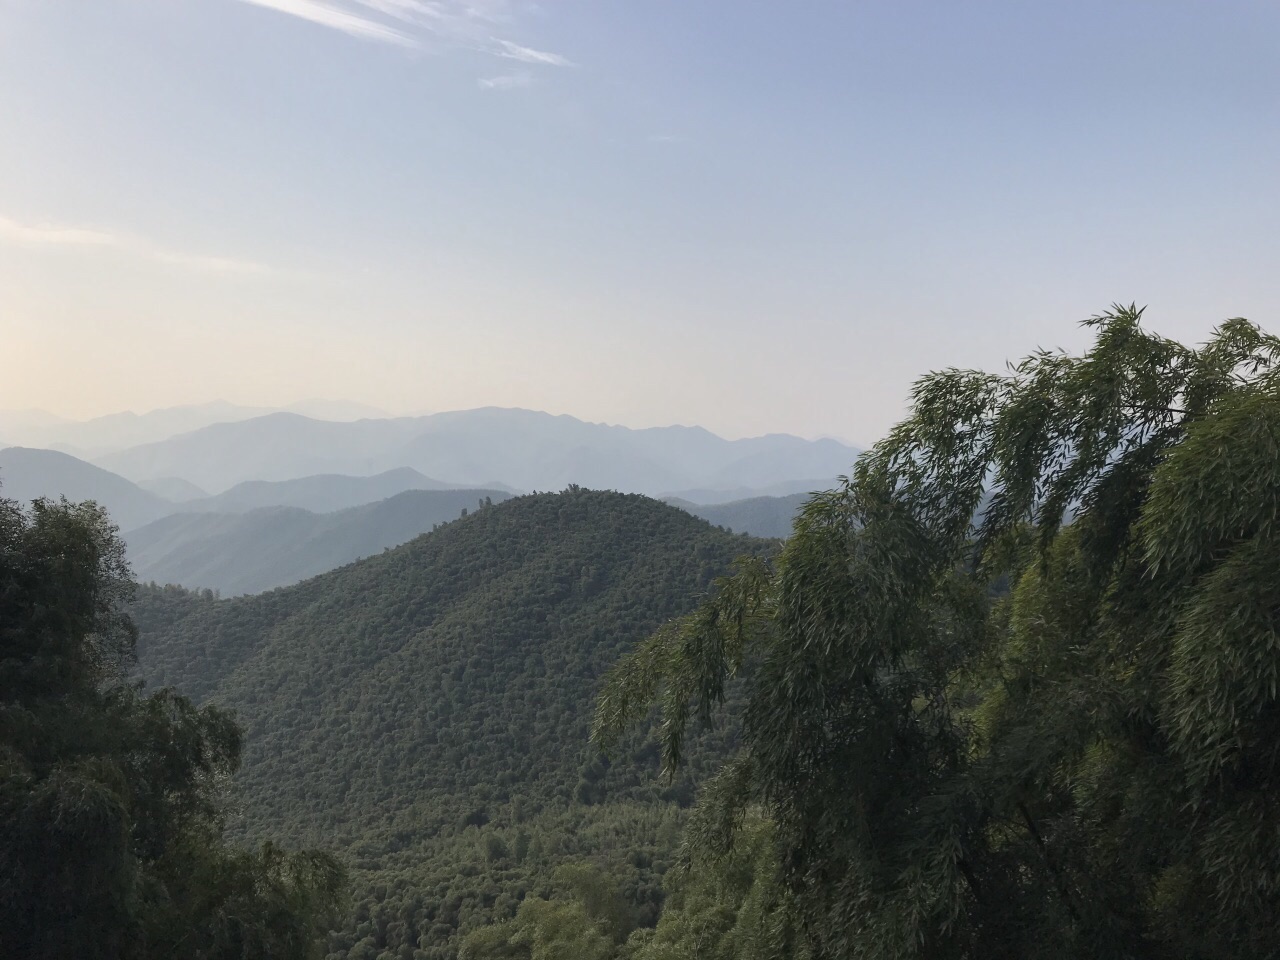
(27, 473)
(322, 493)
(275, 546)
(278, 446)
(174, 489)
(526, 449)
(427, 709)
(757, 516)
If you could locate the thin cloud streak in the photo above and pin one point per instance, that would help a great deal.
(513, 51)
(45, 235)
(337, 19)
(415, 23)
(511, 81)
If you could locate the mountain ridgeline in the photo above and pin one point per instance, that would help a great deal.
(758, 516)
(236, 553)
(426, 710)
(27, 473)
(524, 449)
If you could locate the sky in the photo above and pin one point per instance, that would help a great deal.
(756, 217)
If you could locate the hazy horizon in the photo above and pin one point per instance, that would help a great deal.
(379, 413)
(754, 218)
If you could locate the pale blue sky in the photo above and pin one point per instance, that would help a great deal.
(753, 216)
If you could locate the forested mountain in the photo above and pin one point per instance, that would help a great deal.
(758, 516)
(522, 448)
(426, 710)
(320, 494)
(27, 473)
(249, 552)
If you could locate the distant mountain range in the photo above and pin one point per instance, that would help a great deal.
(262, 534)
(521, 449)
(27, 473)
(321, 493)
(237, 553)
(117, 431)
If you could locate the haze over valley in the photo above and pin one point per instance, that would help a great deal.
(275, 519)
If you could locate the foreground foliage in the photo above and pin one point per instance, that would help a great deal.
(110, 813)
(1012, 688)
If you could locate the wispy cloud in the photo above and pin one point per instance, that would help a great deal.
(509, 81)
(339, 19)
(49, 235)
(469, 24)
(513, 51)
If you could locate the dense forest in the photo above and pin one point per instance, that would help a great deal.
(1009, 690)
(426, 711)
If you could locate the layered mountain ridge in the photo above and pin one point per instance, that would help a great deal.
(523, 449)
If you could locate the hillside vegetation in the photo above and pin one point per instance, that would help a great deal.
(237, 553)
(427, 710)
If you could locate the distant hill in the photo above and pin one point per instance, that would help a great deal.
(426, 710)
(786, 488)
(276, 546)
(322, 493)
(525, 449)
(758, 516)
(116, 431)
(174, 489)
(27, 473)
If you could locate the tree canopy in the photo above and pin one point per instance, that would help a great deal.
(110, 798)
(1011, 689)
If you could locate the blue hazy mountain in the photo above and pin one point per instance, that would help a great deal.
(758, 516)
(320, 493)
(258, 550)
(27, 473)
(524, 449)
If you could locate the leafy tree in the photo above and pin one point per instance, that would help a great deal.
(110, 814)
(587, 922)
(733, 907)
(1012, 688)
